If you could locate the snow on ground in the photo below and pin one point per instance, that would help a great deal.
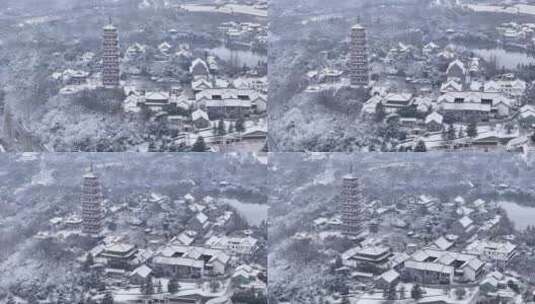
(326, 177)
(24, 270)
(435, 294)
(226, 9)
(434, 140)
(321, 18)
(514, 9)
(343, 83)
(186, 288)
(44, 177)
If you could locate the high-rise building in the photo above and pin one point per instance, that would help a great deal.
(110, 56)
(92, 213)
(352, 206)
(359, 57)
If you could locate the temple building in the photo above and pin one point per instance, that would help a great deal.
(352, 202)
(359, 57)
(110, 56)
(92, 213)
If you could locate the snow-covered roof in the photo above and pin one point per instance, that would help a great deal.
(156, 96)
(466, 221)
(390, 276)
(435, 117)
(480, 246)
(398, 97)
(478, 203)
(178, 261)
(442, 243)
(229, 93)
(185, 238)
(196, 62)
(434, 267)
(199, 114)
(120, 247)
(456, 63)
(142, 271)
(201, 217)
(451, 85)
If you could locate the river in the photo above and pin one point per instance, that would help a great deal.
(253, 213)
(244, 56)
(505, 58)
(522, 216)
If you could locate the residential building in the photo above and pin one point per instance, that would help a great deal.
(493, 252)
(190, 261)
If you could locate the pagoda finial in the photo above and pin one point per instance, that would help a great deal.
(109, 20)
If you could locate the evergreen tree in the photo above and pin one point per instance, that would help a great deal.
(10, 300)
(89, 261)
(391, 292)
(108, 298)
(221, 127)
(61, 298)
(420, 147)
(402, 294)
(159, 287)
(152, 146)
(472, 129)
(451, 132)
(214, 285)
(380, 112)
(172, 285)
(444, 134)
(385, 293)
(416, 292)
(32, 299)
(460, 293)
(461, 132)
(148, 286)
(239, 125)
(199, 145)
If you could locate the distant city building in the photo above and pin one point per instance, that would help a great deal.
(359, 57)
(92, 213)
(352, 211)
(110, 56)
